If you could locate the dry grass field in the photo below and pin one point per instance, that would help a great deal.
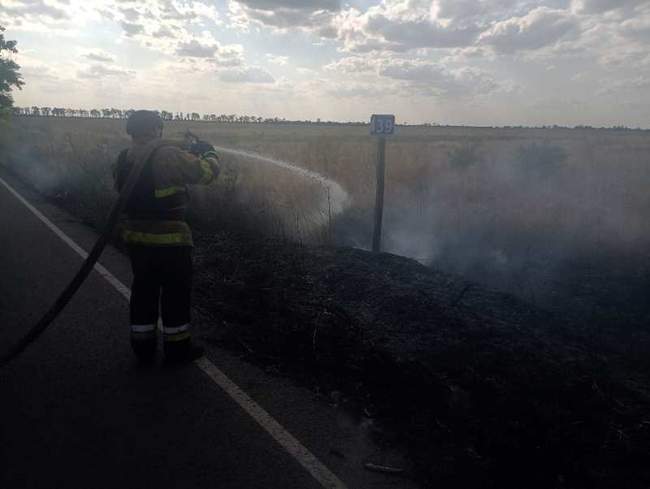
(504, 207)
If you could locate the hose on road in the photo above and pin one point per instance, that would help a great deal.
(90, 261)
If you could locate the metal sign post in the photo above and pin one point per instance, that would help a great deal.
(381, 125)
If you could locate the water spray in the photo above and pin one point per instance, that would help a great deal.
(337, 196)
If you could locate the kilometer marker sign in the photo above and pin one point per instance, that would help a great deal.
(381, 125)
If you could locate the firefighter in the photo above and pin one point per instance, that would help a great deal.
(158, 238)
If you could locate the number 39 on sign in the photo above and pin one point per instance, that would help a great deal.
(382, 124)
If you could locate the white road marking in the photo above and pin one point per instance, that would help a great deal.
(285, 439)
(296, 449)
(112, 279)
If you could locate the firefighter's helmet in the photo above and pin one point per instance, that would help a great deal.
(143, 123)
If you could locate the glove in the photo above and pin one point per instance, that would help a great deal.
(200, 148)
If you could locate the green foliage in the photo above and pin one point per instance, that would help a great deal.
(9, 76)
(465, 156)
(541, 160)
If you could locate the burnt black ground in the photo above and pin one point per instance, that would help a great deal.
(77, 411)
(487, 390)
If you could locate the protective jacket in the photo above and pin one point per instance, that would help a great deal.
(156, 208)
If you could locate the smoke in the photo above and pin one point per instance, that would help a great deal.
(549, 220)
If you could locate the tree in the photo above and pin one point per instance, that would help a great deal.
(9, 76)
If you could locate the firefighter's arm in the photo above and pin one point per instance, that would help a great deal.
(175, 167)
(206, 152)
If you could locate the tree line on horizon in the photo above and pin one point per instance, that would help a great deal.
(112, 113)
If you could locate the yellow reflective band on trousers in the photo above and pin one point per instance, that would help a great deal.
(161, 193)
(206, 173)
(169, 239)
(157, 233)
(135, 335)
(185, 335)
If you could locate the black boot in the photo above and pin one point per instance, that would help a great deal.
(145, 351)
(179, 352)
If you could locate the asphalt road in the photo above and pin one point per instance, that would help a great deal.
(76, 411)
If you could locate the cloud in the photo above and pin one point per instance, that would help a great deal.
(246, 75)
(284, 14)
(277, 60)
(132, 29)
(402, 25)
(437, 79)
(130, 14)
(406, 25)
(100, 56)
(211, 52)
(615, 87)
(416, 76)
(358, 90)
(539, 28)
(38, 72)
(600, 6)
(230, 55)
(34, 8)
(99, 71)
(311, 5)
(469, 9)
(196, 49)
(637, 28)
(353, 64)
(406, 34)
(164, 32)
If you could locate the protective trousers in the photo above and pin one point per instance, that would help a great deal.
(162, 286)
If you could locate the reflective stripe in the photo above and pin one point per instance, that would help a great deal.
(166, 192)
(148, 336)
(177, 329)
(206, 172)
(142, 328)
(177, 337)
(177, 333)
(158, 226)
(156, 239)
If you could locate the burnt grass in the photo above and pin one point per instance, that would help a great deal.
(484, 390)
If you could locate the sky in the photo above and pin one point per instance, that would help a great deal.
(481, 62)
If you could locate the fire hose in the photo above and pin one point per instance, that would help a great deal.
(92, 258)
